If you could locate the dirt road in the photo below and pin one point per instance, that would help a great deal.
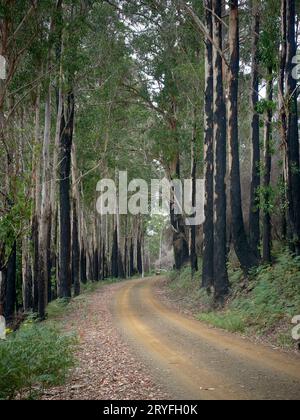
(192, 361)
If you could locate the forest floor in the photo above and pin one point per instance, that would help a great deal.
(106, 368)
(135, 346)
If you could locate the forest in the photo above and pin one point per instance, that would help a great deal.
(162, 89)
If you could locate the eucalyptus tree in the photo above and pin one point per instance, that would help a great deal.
(254, 212)
(243, 250)
(208, 226)
(289, 115)
(221, 283)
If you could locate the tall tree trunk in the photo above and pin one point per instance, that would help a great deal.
(126, 248)
(254, 213)
(221, 282)
(10, 295)
(139, 251)
(26, 275)
(283, 117)
(83, 275)
(293, 167)
(131, 259)
(121, 272)
(208, 226)
(75, 251)
(75, 226)
(36, 198)
(194, 257)
(267, 258)
(115, 254)
(45, 214)
(243, 251)
(66, 138)
(180, 242)
(83, 245)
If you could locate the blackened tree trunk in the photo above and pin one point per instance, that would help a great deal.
(180, 242)
(131, 259)
(10, 295)
(139, 256)
(194, 257)
(283, 119)
(293, 167)
(208, 227)
(96, 264)
(254, 211)
(104, 261)
(121, 273)
(126, 248)
(139, 248)
(83, 267)
(114, 255)
(75, 251)
(49, 260)
(267, 258)
(45, 214)
(221, 282)
(91, 266)
(26, 276)
(241, 245)
(36, 194)
(67, 123)
(35, 271)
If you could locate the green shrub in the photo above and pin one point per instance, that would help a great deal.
(265, 304)
(228, 321)
(33, 358)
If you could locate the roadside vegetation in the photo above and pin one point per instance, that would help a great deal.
(40, 355)
(262, 305)
(33, 358)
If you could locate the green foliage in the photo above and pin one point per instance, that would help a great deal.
(269, 40)
(267, 201)
(35, 357)
(230, 321)
(13, 222)
(274, 298)
(57, 308)
(264, 307)
(264, 105)
(188, 289)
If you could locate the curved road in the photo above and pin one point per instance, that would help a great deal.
(192, 361)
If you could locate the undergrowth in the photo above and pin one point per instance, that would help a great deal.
(263, 305)
(40, 355)
(35, 357)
